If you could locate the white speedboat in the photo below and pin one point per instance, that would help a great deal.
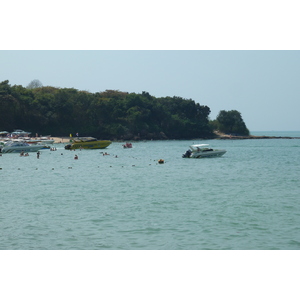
(202, 150)
(19, 146)
(42, 140)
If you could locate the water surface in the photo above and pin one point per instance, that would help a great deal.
(247, 199)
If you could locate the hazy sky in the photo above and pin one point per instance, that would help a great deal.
(263, 85)
(220, 58)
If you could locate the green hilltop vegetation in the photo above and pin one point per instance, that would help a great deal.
(111, 114)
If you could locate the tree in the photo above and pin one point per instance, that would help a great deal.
(34, 84)
(9, 107)
(231, 122)
(110, 114)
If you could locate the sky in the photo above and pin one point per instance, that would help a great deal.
(228, 55)
(263, 85)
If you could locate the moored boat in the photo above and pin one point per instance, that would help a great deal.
(24, 136)
(202, 150)
(87, 143)
(19, 146)
(43, 140)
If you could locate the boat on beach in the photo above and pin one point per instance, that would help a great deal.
(24, 136)
(19, 146)
(201, 151)
(42, 140)
(87, 143)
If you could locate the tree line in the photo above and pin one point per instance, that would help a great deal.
(111, 114)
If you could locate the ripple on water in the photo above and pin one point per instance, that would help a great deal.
(247, 199)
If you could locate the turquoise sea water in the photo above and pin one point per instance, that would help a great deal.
(247, 199)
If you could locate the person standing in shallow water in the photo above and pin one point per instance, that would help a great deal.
(38, 154)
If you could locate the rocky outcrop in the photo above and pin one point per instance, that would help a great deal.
(224, 136)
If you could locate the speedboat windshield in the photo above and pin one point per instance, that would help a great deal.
(195, 147)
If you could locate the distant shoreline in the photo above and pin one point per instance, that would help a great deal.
(219, 136)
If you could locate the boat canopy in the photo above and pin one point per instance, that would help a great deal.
(194, 147)
(84, 139)
(20, 132)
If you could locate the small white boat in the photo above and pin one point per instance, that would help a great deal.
(202, 150)
(19, 146)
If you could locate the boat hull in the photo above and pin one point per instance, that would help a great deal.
(89, 145)
(32, 148)
(45, 142)
(214, 153)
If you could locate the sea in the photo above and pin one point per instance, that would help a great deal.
(123, 199)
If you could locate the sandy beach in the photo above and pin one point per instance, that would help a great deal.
(219, 136)
(58, 140)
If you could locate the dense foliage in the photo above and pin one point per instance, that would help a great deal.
(230, 122)
(110, 114)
